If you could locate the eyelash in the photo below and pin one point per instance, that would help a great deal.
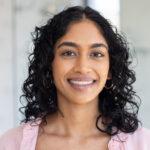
(98, 53)
(69, 52)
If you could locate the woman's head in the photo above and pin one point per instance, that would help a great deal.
(81, 63)
(46, 80)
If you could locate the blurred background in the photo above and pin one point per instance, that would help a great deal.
(18, 19)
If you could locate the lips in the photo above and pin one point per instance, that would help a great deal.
(81, 83)
(81, 78)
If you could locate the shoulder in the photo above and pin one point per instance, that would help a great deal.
(11, 139)
(141, 133)
(137, 140)
(22, 136)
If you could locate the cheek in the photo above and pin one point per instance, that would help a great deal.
(103, 67)
(61, 68)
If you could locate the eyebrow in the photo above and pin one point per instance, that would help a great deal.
(72, 44)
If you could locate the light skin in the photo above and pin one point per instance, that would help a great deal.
(81, 52)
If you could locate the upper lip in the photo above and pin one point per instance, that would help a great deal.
(81, 78)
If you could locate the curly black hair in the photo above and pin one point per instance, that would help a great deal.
(118, 105)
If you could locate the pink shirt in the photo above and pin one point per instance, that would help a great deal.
(24, 138)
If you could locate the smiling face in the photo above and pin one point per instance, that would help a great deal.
(81, 63)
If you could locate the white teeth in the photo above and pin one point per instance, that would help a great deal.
(81, 82)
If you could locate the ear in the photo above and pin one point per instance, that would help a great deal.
(109, 77)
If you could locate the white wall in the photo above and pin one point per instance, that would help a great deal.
(135, 22)
(111, 11)
(6, 66)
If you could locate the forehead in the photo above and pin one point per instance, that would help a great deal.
(83, 32)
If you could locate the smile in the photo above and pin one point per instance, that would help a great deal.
(81, 85)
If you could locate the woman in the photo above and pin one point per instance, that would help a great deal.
(79, 90)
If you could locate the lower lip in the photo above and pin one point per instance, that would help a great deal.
(82, 87)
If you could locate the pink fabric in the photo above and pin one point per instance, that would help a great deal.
(24, 138)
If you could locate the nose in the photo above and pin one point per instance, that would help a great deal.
(82, 65)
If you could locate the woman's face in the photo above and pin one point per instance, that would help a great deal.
(81, 63)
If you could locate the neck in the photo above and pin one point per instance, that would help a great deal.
(77, 120)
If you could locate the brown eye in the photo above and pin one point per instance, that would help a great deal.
(68, 53)
(96, 54)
